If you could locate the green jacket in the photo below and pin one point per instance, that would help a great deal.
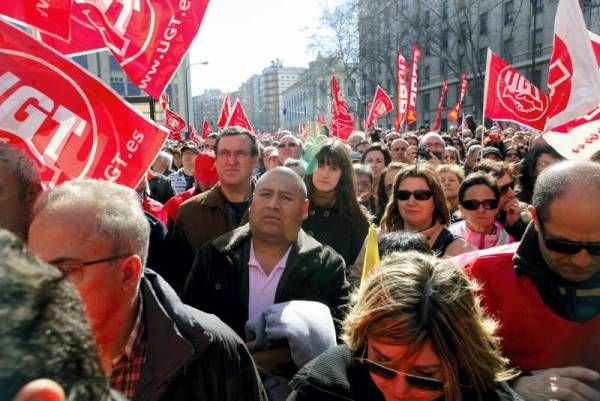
(218, 281)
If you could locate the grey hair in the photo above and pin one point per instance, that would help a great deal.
(287, 172)
(164, 155)
(560, 179)
(22, 168)
(115, 209)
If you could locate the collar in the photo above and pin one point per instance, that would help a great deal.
(253, 261)
(134, 335)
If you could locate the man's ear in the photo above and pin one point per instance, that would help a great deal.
(131, 270)
(305, 207)
(534, 217)
(41, 390)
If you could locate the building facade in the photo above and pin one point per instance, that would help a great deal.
(310, 96)
(207, 106)
(454, 37)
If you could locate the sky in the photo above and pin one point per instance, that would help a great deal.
(239, 38)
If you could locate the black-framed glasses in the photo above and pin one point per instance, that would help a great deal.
(289, 145)
(504, 188)
(419, 194)
(472, 204)
(568, 247)
(387, 373)
(74, 268)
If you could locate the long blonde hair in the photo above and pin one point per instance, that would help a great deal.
(413, 298)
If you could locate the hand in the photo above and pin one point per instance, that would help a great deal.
(566, 384)
(513, 212)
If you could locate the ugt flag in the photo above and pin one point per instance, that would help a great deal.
(438, 115)
(224, 114)
(382, 104)
(51, 16)
(455, 112)
(509, 96)
(68, 121)
(149, 38)
(402, 91)
(341, 119)
(238, 117)
(411, 113)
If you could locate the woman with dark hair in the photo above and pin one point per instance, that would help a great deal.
(478, 201)
(383, 188)
(415, 331)
(377, 157)
(335, 217)
(535, 161)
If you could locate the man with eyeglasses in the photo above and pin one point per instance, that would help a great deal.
(432, 147)
(289, 147)
(211, 214)
(151, 345)
(546, 296)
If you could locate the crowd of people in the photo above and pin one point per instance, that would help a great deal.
(236, 271)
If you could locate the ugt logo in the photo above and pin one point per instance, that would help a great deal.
(521, 97)
(559, 77)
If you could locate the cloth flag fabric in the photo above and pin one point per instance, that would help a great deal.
(455, 112)
(371, 253)
(401, 91)
(148, 38)
(438, 116)
(193, 135)
(509, 96)
(411, 111)
(68, 121)
(595, 40)
(238, 117)
(206, 129)
(224, 114)
(382, 104)
(52, 18)
(573, 77)
(341, 120)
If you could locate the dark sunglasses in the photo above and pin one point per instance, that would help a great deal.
(289, 145)
(419, 194)
(422, 383)
(504, 188)
(472, 204)
(568, 247)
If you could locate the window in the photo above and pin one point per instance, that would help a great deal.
(426, 18)
(539, 41)
(538, 6)
(119, 87)
(426, 73)
(443, 67)
(483, 23)
(81, 60)
(482, 55)
(113, 63)
(444, 9)
(508, 12)
(537, 78)
(133, 90)
(444, 39)
(507, 52)
(426, 101)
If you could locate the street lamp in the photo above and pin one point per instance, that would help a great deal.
(188, 92)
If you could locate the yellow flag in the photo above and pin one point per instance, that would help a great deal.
(371, 252)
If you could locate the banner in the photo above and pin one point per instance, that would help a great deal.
(573, 77)
(411, 113)
(193, 135)
(341, 120)
(382, 104)
(455, 112)
(577, 139)
(149, 38)
(402, 91)
(238, 117)
(438, 116)
(509, 96)
(206, 129)
(69, 122)
(224, 114)
(50, 15)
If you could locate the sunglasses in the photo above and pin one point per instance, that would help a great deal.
(568, 247)
(504, 188)
(289, 145)
(419, 194)
(420, 382)
(472, 204)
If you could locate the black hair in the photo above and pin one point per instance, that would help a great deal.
(478, 178)
(233, 131)
(402, 241)
(528, 176)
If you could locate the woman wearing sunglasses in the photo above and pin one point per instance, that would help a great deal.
(478, 201)
(415, 331)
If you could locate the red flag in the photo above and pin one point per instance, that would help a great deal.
(382, 104)
(224, 114)
(341, 120)
(238, 117)
(509, 96)
(402, 91)
(175, 135)
(438, 116)
(455, 112)
(148, 38)
(411, 113)
(40, 14)
(67, 120)
(193, 135)
(206, 129)
(595, 40)
(174, 121)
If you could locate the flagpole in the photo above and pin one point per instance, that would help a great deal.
(488, 62)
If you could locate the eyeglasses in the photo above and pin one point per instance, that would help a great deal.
(289, 145)
(504, 188)
(568, 247)
(74, 268)
(472, 204)
(386, 373)
(419, 194)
